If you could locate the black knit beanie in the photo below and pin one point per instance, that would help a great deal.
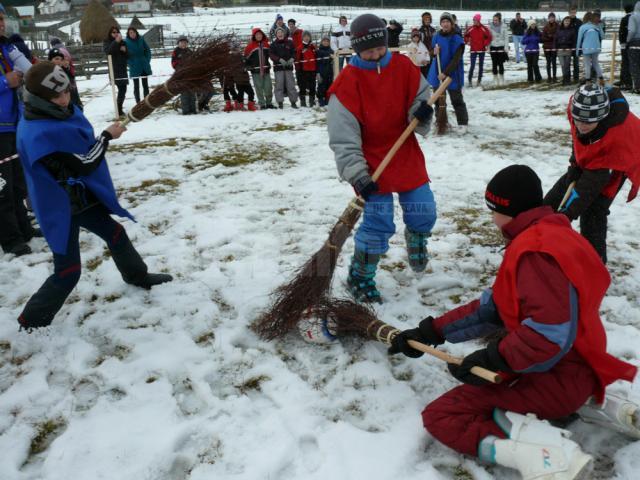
(514, 190)
(368, 31)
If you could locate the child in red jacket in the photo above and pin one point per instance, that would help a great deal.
(478, 37)
(546, 297)
(307, 69)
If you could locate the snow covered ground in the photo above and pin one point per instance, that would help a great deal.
(171, 383)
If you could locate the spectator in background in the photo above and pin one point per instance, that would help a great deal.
(295, 33)
(633, 44)
(418, 52)
(15, 228)
(394, 29)
(341, 39)
(518, 28)
(576, 23)
(499, 47)
(256, 56)
(283, 54)
(57, 57)
(18, 42)
(548, 44)
(625, 82)
(241, 80)
(279, 23)
(180, 53)
(55, 42)
(564, 43)
(531, 42)
(306, 57)
(589, 43)
(456, 28)
(325, 70)
(115, 46)
(427, 32)
(478, 37)
(139, 61)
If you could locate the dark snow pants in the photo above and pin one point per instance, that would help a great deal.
(472, 66)
(48, 300)
(634, 62)
(15, 227)
(625, 71)
(593, 222)
(457, 100)
(552, 64)
(462, 417)
(533, 69)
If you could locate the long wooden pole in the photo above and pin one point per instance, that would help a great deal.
(113, 86)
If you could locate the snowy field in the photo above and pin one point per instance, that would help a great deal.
(242, 20)
(171, 384)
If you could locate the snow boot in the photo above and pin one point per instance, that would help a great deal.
(536, 449)
(293, 105)
(303, 101)
(280, 105)
(239, 106)
(151, 279)
(18, 249)
(252, 107)
(228, 107)
(616, 413)
(417, 249)
(362, 271)
(312, 101)
(270, 106)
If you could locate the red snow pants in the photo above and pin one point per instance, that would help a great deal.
(462, 417)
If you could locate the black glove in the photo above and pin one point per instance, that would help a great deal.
(424, 112)
(488, 358)
(425, 333)
(365, 186)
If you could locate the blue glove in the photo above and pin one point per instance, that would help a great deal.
(365, 187)
(424, 112)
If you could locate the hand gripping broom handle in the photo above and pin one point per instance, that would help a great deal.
(408, 131)
(567, 195)
(483, 373)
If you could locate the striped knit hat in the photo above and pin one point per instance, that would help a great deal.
(590, 104)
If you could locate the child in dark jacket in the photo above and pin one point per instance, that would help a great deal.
(256, 56)
(325, 70)
(531, 42)
(187, 99)
(283, 56)
(549, 33)
(604, 154)
(306, 57)
(564, 43)
(552, 354)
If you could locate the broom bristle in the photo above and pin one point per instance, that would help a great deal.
(311, 283)
(442, 119)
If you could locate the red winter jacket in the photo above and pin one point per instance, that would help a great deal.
(547, 301)
(296, 37)
(306, 55)
(478, 37)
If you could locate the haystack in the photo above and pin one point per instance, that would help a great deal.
(136, 23)
(96, 23)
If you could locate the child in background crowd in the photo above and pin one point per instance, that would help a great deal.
(187, 99)
(58, 58)
(564, 42)
(419, 53)
(306, 56)
(590, 37)
(499, 47)
(478, 37)
(549, 33)
(256, 56)
(325, 70)
(531, 42)
(282, 54)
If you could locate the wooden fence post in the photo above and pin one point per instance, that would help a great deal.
(113, 87)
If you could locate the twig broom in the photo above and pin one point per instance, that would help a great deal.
(313, 279)
(442, 119)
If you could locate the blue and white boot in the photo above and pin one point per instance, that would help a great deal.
(362, 272)
(417, 249)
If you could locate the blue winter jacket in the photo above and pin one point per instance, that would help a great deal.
(9, 104)
(138, 57)
(531, 41)
(449, 44)
(590, 38)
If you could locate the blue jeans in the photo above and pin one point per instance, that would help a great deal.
(377, 227)
(480, 57)
(517, 42)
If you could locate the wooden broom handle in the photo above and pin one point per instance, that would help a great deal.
(483, 373)
(566, 195)
(408, 131)
(439, 66)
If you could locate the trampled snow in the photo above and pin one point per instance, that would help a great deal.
(172, 384)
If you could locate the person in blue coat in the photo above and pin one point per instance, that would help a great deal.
(450, 47)
(70, 188)
(139, 61)
(589, 43)
(531, 42)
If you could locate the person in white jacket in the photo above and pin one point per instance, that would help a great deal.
(341, 39)
(418, 52)
(499, 47)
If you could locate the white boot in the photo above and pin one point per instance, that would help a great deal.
(616, 413)
(501, 79)
(538, 450)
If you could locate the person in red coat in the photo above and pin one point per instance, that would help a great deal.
(545, 300)
(604, 155)
(306, 60)
(478, 37)
(371, 103)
